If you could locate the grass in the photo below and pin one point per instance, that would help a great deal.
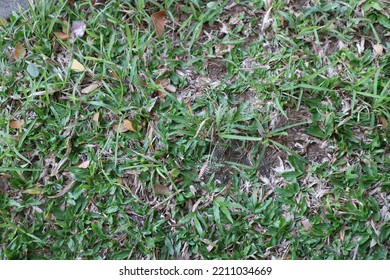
(270, 141)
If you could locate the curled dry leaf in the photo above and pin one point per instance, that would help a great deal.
(34, 191)
(266, 20)
(159, 22)
(378, 48)
(90, 88)
(19, 51)
(96, 117)
(161, 189)
(61, 35)
(78, 29)
(203, 170)
(77, 66)
(85, 164)
(16, 124)
(127, 125)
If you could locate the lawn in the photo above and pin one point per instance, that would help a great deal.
(195, 130)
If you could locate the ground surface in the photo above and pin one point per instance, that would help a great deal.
(8, 6)
(199, 130)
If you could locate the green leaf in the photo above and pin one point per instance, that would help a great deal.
(97, 228)
(287, 192)
(198, 226)
(168, 245)
(297, 163)
(217, 217)
(111, 209)
(315, 131)
(226, 211)
(292, 174)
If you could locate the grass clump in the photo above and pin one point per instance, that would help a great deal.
(244, 131)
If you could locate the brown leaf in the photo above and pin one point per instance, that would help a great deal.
(16, 124)
(85, 164)
(19, 51)
(127, 125)
(61, 35)
(282, 20)
(95, 117)
(161, 189)
(384, 122)
(159, 22)
(165, 85)
(160, 93)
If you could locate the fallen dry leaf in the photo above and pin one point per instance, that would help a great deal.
(203, 170)
(3, 21)
(19, 51)
(159, 22)
(16, 124)
(85, 164)
(165, 85)
(161, 189)
(160, 93)
(120, 128)
(266, 19)
(170, 88)
(78, 29)
(77, 66)
(126, 125)
(90, 88)
(33, 191)
(378, 48)
(96, 117)
(61, 35)
(384, 122)
(306, 224)
(282, 20)
(4, 184)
